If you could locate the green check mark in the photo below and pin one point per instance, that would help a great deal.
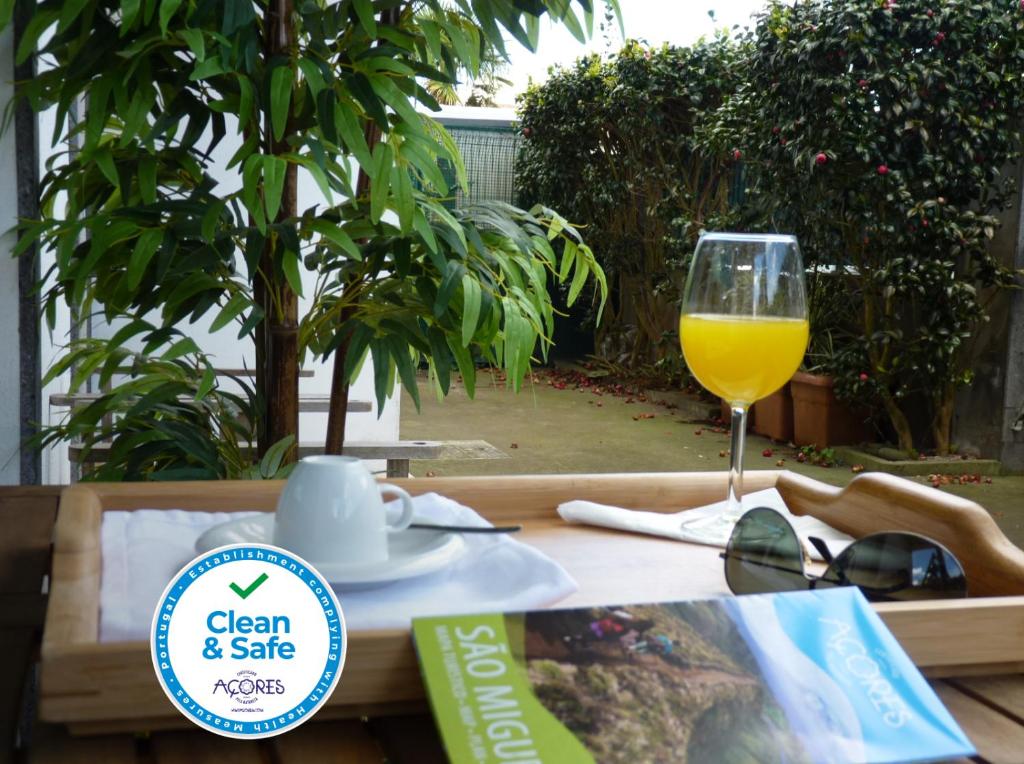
(243, 593)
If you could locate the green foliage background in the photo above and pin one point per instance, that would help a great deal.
(615, 145)
(879, 132)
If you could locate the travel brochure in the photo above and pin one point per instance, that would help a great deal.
(796, 677)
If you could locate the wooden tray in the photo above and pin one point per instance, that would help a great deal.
(99, 687)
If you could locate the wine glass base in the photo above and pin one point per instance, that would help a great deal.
(714, 530)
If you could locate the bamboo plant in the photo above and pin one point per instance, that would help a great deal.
(145, 235)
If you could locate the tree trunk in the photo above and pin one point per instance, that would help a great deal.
(900, 423)
(942, 421)
(337, 410)
(277, 340)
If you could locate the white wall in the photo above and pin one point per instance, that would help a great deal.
(10, 351)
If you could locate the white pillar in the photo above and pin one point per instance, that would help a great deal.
(10, 346)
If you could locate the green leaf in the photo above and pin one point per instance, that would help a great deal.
(246, 98)
(290, 266)
(579, 278)
(336, 234)
(195, 41)
(211, 218)
(38, 24)
(105, 161)
(406, 371)
(129, 12)
(69, 12)
(404, 203)
(464, 361)
(422, 226)
(319, 176)
(281, 81)
(147, 178)
(471, 302)
(207, 69)
(569, 255)
(251, 171)
(381, 372)
(314, 77)
(180, 348)
(573, 25)
(379, 183)
(274, 171)
(234, 307)
(367, 19)
(237, 14)
(347, 125)
(250, 322)
(147, 245)
(167, 10)
(270, 464)
(206, 383)
(453, 274)
(432, 36)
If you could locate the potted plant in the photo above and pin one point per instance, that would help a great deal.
(819, 417)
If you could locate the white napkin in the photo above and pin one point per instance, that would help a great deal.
(143, 549)
(669, 525)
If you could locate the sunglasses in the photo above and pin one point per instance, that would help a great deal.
(764, 555)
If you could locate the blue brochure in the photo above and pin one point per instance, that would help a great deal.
(797, 677)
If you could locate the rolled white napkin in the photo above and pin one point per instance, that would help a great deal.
(670, 524)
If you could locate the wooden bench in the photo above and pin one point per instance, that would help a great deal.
(397, 453)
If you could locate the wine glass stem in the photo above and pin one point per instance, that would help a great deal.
(734, 503)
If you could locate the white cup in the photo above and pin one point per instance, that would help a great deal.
(331, 511)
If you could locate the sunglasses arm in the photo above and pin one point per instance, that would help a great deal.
(822, 548)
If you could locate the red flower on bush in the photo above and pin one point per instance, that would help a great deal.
(821, 158)
(737, 154)
(863, 376)
(864, 83)
(938, 39)
(883, 169)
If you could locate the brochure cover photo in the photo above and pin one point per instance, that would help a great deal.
(797, 677)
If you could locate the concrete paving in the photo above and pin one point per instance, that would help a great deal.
(545, 429)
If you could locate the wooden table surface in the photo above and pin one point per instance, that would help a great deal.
(990, 709)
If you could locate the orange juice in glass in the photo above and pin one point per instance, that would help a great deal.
(743, 329)
(742, 359)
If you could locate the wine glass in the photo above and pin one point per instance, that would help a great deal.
(743, 329)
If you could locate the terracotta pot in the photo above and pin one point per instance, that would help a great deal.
(775, 415)
(819, 418)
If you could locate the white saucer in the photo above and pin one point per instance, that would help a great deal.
(411, 553)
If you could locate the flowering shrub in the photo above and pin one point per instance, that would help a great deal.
(614, 145)
(877, 131)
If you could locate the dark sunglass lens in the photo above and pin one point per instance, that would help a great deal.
(764, 555)
(897, 566)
